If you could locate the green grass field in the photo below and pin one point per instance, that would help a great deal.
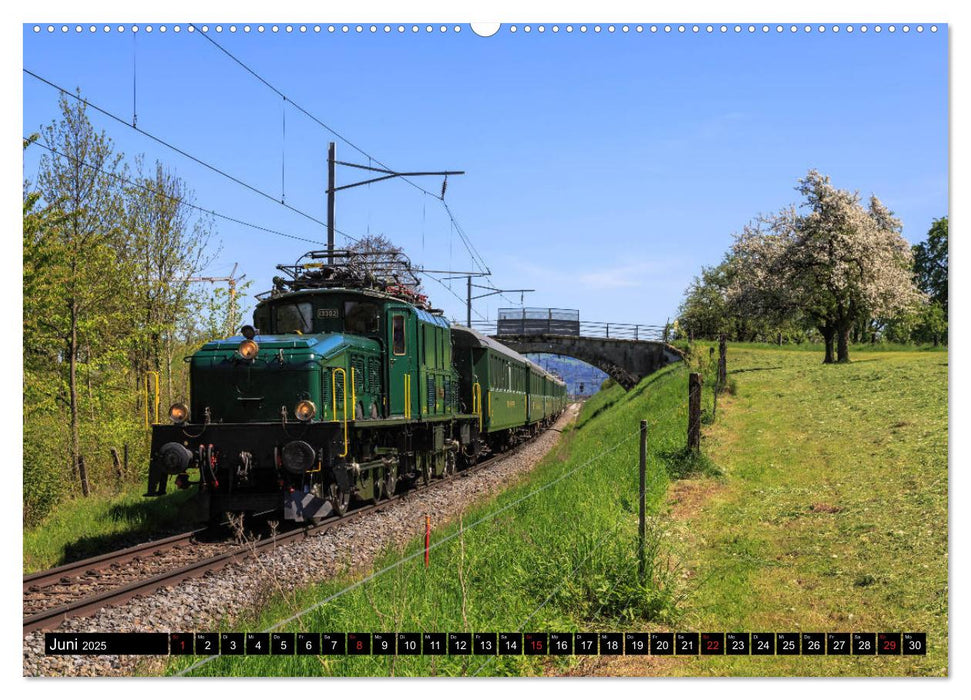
(830, 514)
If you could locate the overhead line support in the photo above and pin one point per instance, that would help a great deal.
(333, 188)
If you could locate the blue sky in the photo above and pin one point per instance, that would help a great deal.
(603, 170)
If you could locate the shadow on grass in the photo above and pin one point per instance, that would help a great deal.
(146, 520)
(654, 378)
(596, 413)
(683, 463)
(150, 512)
(753, 369)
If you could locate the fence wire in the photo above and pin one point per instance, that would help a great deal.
(421, 551)
(572, 574)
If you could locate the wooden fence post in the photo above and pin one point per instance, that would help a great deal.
(694, 411)
(642, 523)
(116, 460)
(722, 364)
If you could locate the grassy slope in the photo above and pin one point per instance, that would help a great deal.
(84, 527)
(561, 560)
(832, 512)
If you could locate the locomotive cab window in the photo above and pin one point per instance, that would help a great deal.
(398, 334)
(294, 318)
(361, 317)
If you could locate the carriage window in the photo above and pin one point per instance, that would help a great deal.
(294, 318)
(361, 317)
(398, 334)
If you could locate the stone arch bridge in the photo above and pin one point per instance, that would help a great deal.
(626, 352)
(627, 362)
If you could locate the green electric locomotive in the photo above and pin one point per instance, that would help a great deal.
(347, 386)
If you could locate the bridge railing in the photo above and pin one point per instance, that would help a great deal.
(588, 329)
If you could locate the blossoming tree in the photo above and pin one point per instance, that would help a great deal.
(833, 262)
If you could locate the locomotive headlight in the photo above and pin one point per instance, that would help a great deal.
(248, 349)
(179, 413)
(305, 410)
(248, 332)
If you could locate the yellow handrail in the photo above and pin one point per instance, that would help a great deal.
(333, 394)
(157, 397)
(477, 402)
(353, 395)
(408, 396)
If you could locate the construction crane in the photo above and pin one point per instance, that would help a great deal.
(232, 279)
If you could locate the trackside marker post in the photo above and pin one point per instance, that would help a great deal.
(428, 537)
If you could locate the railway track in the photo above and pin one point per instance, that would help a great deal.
(86, 586)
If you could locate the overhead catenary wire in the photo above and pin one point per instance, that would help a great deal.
(283, 156)
(182, 152)
(173, 198)
(476, 256)
(217, 214)
(299, 108)
(454, 294)
(421, 551)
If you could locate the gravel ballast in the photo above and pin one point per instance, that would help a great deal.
(200, 604)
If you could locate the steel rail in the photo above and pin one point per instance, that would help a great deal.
(52, 617)
(41, 579)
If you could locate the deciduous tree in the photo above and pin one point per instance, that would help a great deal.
(834, 262)
(80, 280)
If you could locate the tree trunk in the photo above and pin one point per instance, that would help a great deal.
(843, 343)
(829, 334)
(83, 471)
(76, 464)
(87, 374)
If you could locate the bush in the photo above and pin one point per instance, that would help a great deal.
(46, 471)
